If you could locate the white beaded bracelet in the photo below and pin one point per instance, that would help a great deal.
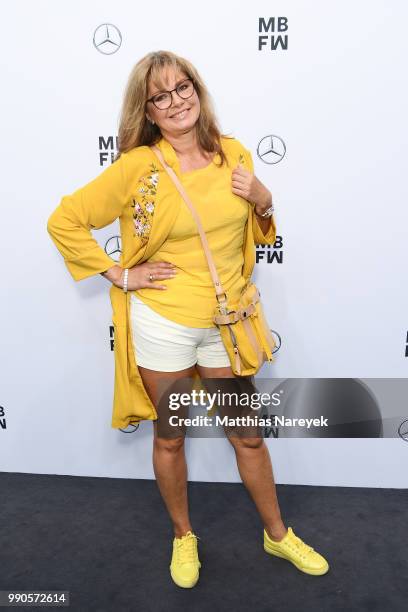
(125, 280)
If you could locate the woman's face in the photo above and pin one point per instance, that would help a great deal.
(182, 115)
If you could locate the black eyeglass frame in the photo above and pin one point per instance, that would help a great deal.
(170, 92)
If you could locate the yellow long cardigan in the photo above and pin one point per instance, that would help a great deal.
(111, 195)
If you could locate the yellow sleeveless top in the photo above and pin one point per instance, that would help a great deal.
(190, 296)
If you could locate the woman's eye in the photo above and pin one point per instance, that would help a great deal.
(160, 98)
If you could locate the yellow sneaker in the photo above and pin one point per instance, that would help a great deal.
(185, 565)
(292, 548)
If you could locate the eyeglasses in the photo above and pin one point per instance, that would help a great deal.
(163, 100)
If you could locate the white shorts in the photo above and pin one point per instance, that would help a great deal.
(166, 346)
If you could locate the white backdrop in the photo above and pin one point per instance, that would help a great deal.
(337, 97)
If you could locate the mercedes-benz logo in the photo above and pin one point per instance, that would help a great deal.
(271, 149)
(277, 339)
(130, 428)
(107, 39)
(113, 247)
(403, 430)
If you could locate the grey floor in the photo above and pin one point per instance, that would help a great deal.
(108, 542)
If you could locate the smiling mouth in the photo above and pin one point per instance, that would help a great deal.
(181, 114)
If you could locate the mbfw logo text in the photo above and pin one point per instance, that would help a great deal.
(107, 149)
(270, 37)
(2, 418)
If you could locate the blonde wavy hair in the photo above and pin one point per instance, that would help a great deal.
(134, 128)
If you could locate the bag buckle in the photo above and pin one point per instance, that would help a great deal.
(247, 311)
(223, 293)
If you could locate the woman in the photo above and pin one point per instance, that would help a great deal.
(162, 295)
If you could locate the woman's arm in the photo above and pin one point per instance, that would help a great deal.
(248, 186)
(114, 275)
(95, 205)
(264, 229)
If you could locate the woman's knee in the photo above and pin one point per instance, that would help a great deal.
(169, 445)
(241, 442)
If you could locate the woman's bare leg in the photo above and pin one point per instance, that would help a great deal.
(255, 468)
(169, 462)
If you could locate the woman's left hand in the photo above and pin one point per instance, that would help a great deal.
(246, 185)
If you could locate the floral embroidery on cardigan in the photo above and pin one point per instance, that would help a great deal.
(144, 202)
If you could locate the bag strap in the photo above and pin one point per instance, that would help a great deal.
(219, 290)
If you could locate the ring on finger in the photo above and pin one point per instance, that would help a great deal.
(150, 277)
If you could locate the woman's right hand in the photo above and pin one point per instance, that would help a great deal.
(138, 276)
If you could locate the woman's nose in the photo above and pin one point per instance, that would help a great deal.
(176, 100)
